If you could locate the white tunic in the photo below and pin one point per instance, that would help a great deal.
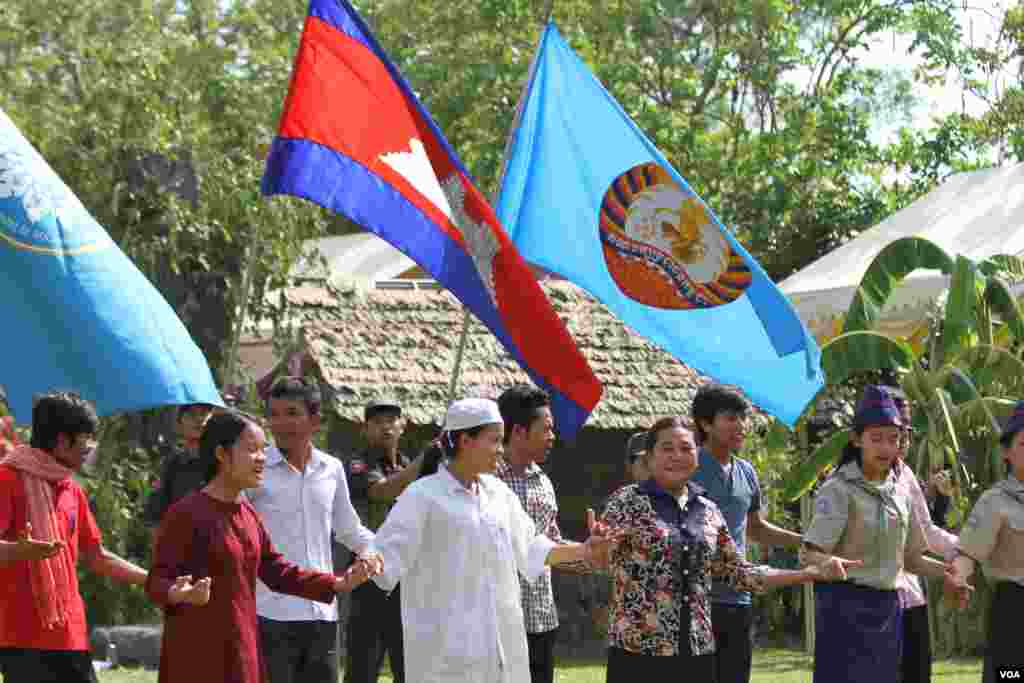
(456, 554)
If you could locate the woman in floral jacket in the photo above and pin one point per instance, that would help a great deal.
(675, 541)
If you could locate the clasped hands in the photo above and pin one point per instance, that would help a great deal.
(366, 566)
(185, 591)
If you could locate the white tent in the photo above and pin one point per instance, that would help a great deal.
(977, 214)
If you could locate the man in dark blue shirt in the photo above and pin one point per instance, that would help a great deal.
(720, 415)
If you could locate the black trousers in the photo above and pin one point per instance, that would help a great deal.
(916, 657)
(628, 667)
(46, 666)
(734, 642)
(542, 656)
(374, 629)
(299, 651)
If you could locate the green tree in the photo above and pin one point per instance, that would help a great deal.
(161, 126)
(762, 105)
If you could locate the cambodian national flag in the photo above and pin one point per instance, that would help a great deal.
(354, 139)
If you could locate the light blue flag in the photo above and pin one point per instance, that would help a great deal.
(77, 314)
(586, 195)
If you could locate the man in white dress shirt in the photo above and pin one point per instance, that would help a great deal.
(304, 497)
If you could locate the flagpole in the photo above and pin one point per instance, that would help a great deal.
(464, 335)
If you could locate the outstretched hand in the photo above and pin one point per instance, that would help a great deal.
(367, 566)
(187, 592)
(33, 550)
(834, 568)
(602, 539)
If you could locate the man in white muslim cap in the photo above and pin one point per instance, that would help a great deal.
(457, 541)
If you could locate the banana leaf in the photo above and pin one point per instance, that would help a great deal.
(1001, 301)
(861, 351)
(897, 260)
(1003, 264)
(801, 479)
(777, 438)
(964, 296)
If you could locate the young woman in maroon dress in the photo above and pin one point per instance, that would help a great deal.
(210, 628)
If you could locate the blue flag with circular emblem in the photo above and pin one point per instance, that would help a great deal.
(78, 314)
(586, 195)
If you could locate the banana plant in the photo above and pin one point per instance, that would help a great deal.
(956, 377)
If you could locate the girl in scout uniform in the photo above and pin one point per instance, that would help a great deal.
(994, 536)
(861, 514)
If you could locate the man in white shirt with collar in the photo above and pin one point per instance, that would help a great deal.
(304, 497)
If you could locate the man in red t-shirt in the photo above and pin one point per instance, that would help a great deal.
(45, 526)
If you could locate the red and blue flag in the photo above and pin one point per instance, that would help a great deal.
(354, 139)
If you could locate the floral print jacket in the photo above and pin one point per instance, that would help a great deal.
(662, 570)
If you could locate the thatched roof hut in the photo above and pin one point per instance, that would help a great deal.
(403, 343)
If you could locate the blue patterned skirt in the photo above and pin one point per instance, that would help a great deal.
(858, 634)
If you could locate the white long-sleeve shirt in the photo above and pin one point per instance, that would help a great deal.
(300, 510)
(457, 554)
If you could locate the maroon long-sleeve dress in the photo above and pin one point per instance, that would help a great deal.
(219, 642)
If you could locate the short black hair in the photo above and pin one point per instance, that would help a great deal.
(712, 400)
(222, 429)
(185, 408)
(520, 405)
(297, 389)
(61, 412)
(661, 425)
(375, 408)
(851, 453)
(636, 444)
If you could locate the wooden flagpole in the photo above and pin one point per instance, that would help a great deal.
(464, 335)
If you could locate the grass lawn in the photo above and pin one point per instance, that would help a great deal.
(770, 666)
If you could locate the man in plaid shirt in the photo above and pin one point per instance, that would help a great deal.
(529, 436)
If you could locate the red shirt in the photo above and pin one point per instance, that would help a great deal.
(219, 642)
(20, 626)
